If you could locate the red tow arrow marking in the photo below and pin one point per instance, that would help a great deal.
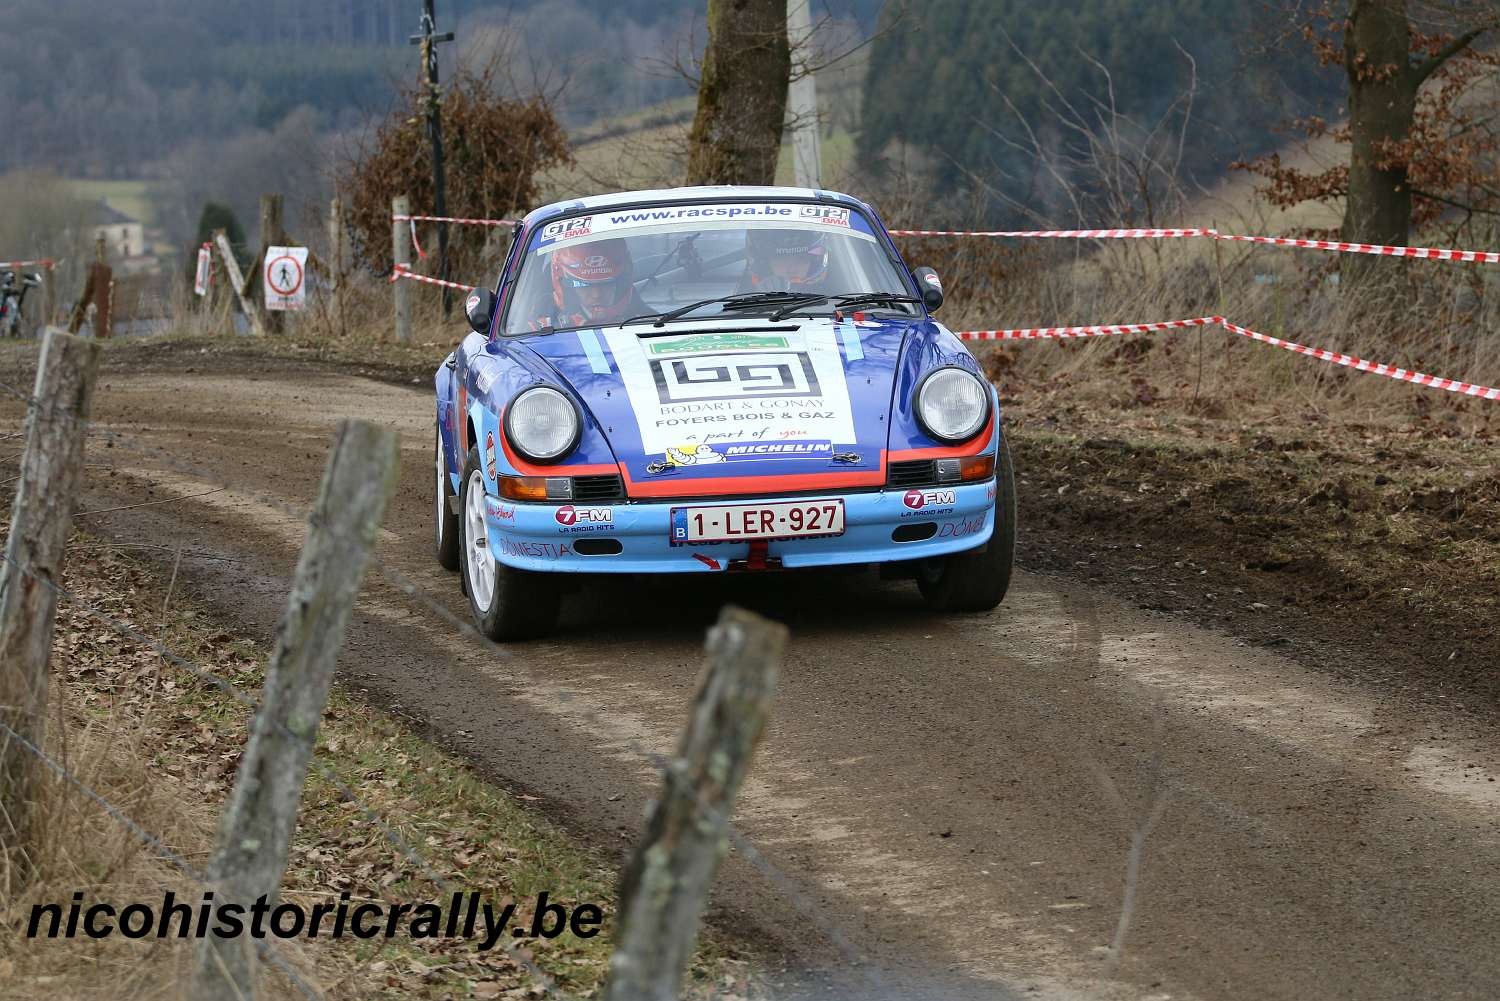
(707, 561)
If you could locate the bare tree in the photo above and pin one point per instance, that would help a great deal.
(736, 134)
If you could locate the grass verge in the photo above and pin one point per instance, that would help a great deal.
(163, 747)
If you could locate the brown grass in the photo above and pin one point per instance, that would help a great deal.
(164, 748)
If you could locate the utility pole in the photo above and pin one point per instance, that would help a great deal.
(429, 39)
(802, 97)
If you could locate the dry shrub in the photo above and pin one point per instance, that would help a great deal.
(494, 149)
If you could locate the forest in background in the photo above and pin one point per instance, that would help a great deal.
(222, 101)
(1003, 91)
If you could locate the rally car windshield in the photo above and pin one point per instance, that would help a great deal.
(612, 266)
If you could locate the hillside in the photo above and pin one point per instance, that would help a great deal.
(1012, 85)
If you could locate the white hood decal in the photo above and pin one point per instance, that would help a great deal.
(725, 392)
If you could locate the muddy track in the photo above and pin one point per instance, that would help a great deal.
(956, 795)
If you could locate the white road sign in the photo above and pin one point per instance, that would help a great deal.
(283, 277)
(205, 268)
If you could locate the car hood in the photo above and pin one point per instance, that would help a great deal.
(743, 406)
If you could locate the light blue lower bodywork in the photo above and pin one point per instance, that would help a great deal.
(530, 537)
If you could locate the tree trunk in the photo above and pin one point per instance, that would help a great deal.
(1383, 89)
(736, 135)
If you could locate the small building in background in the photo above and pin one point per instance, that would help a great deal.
(125, 241)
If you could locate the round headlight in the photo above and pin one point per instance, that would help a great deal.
(952, 404)
(542, 424)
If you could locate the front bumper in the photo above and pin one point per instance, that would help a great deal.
(536, 537)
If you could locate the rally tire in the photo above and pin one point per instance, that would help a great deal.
(446, 538)
(508, 604)
(976, 580)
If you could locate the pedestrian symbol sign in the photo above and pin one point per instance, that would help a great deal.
(204, 272)
(283, 277)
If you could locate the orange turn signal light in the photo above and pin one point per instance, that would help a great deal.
(523, 488)
(976, 467)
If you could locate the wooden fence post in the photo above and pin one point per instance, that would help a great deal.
(237, 282)
(49, 296)
(401, 255)
(39, 526)
(665, 886)
(337, 259)
(104, 300)
(261, 814)
(271, 235)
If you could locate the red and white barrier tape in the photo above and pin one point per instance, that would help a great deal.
(416, 244)
(1066, 234)
(1333, 357)
(1429, 253)
(1338, 246)
(1048, 333)
(453, 219)
(45, 262)
(400, 272)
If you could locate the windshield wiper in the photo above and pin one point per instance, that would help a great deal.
(846, 300)
(742, 301)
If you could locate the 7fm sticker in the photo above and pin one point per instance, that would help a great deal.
(916, 500)
(584, 519)
(489, 453)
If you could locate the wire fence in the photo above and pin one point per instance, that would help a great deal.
(580, 711)
(156, 844)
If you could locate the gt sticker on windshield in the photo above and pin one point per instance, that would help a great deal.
(567, 229)
(743, 398)
(830, 214)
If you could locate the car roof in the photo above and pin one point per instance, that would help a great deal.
(705, 192)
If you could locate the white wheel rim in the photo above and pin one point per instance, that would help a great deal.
(442, 476)
(477, 544)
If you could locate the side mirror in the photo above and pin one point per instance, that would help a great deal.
(479, 307)
(931, 286)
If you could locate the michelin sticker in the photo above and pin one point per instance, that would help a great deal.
(741, 451)
(729, 398)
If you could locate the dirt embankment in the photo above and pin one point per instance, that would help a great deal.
(1372, 551)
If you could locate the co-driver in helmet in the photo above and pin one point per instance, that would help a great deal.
(784, 260)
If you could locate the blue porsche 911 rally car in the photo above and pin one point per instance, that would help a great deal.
(710, 380)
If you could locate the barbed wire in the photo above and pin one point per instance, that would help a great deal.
(404, 584)
(156, 844)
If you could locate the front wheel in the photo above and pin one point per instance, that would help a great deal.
(976, 581)
(508, 604)
(447, 521)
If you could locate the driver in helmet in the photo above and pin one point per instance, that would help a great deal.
(784, 260)
(591, 284)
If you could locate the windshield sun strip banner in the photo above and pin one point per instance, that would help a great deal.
(739, 215)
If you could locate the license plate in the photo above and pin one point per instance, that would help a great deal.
(738, 522)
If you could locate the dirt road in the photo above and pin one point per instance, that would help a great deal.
(956, 796)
